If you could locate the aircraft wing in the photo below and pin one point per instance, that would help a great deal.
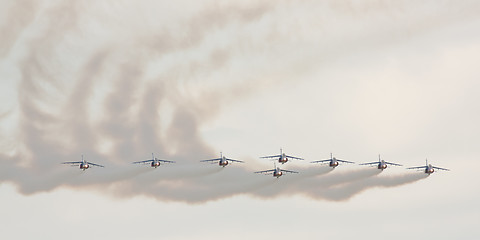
(288, 171)
(73, 163)
(394, 164)
(146, 161)
(165, 161)
(233, 160)
(369, 163)
(416, 167)
(441, 168)
(266, 171)
(273, 156)
(211, 160)
(94, 164)
(320, 161)
(339, 160)
(294, 157)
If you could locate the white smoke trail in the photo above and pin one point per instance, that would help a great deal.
(103, 80)
(350, 189)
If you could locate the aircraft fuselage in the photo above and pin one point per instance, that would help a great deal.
(155, 164)
(429, 169)
(277, 173)
(333, 163)
(382, 165)
(283, 159)
(84, 166)
(223, 163)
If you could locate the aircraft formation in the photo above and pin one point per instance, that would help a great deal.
(277, 172)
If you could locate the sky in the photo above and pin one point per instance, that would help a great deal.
(116, 81)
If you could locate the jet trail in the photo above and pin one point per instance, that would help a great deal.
(118, 82)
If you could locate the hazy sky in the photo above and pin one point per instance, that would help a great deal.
(118, 80)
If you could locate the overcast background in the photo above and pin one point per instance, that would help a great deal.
(118, 80)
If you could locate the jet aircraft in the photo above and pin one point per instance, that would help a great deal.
(222, 161)
(277, 172)
(154, 162)
(429, 169)
(84, 165)
(282, 158)
(333, 162)
(381, 164)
